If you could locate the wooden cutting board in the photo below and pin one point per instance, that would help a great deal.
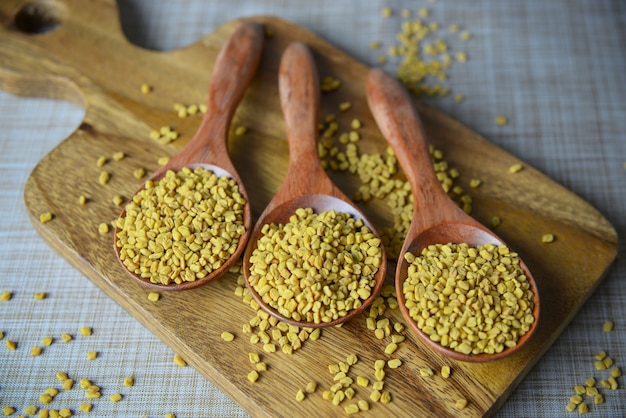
(87, 60)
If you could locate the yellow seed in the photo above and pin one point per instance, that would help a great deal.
(345, 106)
(394, 363)
(11, 345)
(6, 295)
(570, 407)
(179, 361)
(423, 12)
(461, 403)
(8, 410)
(116, 397)
(105, 177)
(82, 199)
(86, 331)
(445, 372)
(300, 395)
(45, 217)
(576, 399)
(47, 341)
(102, 160)
(516, 168)
(547, 238)
(385, 397)
(391, 348)
(163, 160)
(462, 57)
(30, 410)
(351, 409)
(61, 376)
(253, 376)
(580, 390)
(608, 326)
(39, 296)
(496, 221)
(616, 372)
(103, 228)
(145, 88)
(227, 336)
(139, 173)
(583, 408)
(311, 387)
(386, 12)
(45, 398)
(261, 366)
(362, 381)
(129, 381)
(91, 355)
(501, 120)
(241, 130)
(35, 351)
(68, 384)
(426, 371)
(154, 296)
(85, 407)
(66, 338)
(465, 35)
(459, 97)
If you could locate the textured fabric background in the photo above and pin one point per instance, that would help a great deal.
(556, 69)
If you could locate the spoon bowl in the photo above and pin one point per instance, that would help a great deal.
(234, 70)
(306, 184)
(436, 218)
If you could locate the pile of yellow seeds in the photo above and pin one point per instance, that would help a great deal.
(182, 227)
(472, 300)
(317, 267)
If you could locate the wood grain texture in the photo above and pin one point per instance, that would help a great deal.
(88, 61)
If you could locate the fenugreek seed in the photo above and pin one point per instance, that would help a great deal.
(47, 341)
(496, 221)
(608, 326)
(102, 160)
(86, 407)
(68, 384)
(269, 348)
(66, 338)
(45, 398)
(129, 381)
(227, 336)
(45, 217)
(139, 173)
(253, 376)
(394, 363)
(580, 390)
(612, 383)
(91, 355)
(426, 372)
(583, 408)
(547, 238)
(598, 399)
(352, 409)
(445, 372)
(391, 348)
(465, 35)
(82, 199)
(601, 355)
(590, 382)
(154, 296)
(261, 366)
(8, 410)
(61, 376)
(179, 361)
(311, 387)
(616, 372)
(163, 160)
(379, 364)
(116, 397)
(103, 228)
(39, 296)
(459, 98)
(145, 88)
(576, 399)
(30, 410)
(461, 403)
(386, 12)
(104, 178)
(345, 106)
(35, 351)
(379, 375)
(86, 331)
(608, 362)
(570, 407)
(362, 381)
(363, 405)
(516, 168)
(591, 391)
(300, 395)
(385, 397)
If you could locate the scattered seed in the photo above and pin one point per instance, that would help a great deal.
(179, 361)
(547, 238)
(516, 168)
(227, 336)
(45, 217)
(116, 397)
(154, 296)
(35, 351)
(6, 295)
(129, 381)
(11, 345)
(91, 355)
(608, 326)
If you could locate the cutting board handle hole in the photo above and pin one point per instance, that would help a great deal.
(39, 17)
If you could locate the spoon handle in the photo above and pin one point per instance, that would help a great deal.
(400, 124)
(233, 71)
(299, 91)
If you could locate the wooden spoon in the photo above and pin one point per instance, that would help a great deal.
(306, 184)
(234, 69)
(436, 218)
